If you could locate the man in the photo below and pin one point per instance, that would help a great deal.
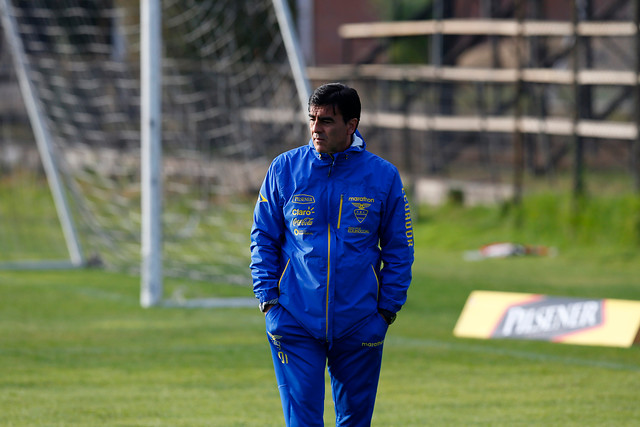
(331, 255)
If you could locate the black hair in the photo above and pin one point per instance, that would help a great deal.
(339, 96)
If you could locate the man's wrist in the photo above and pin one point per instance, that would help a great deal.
(266, 305)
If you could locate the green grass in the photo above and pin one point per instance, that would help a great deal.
(29, 227)
(76, 349)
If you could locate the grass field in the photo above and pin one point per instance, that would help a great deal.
(76, 349)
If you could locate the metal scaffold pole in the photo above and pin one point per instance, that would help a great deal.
(635, 150)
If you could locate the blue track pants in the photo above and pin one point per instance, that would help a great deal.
(300, 360)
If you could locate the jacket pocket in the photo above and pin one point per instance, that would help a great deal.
(375, 275)
(286, 266)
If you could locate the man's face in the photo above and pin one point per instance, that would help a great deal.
(329, 132)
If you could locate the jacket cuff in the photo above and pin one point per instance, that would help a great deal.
(266, 295)
(392, 308)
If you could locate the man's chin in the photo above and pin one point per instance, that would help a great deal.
(320, 148)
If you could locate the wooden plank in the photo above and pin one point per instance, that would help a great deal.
(490, 75)
(496, 27)
(607, 29)
(469, 123)
(551, 126)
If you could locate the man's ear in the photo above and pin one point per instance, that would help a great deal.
(352, 125)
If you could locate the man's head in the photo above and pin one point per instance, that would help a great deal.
(334, 113)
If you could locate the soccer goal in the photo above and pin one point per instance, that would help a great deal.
(128, 116)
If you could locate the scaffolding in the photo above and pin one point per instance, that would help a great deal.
(527, 61)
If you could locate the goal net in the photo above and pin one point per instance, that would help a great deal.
(229, 104)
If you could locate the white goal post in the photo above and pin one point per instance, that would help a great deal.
(151, 117)
(151, 155)
(44, 143)
(146, 106)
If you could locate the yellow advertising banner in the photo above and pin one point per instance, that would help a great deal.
(584, 321)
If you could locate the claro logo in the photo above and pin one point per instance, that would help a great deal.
(303, 212)
(304, 199)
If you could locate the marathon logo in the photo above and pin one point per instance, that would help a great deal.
(549, 318)
(362, 199)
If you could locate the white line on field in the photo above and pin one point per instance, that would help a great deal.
(470, 348)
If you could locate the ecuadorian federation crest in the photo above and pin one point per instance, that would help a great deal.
(361, 211)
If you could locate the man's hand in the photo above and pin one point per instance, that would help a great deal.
(387, 315)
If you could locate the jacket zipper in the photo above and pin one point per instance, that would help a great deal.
(328, 277)
(282, 275)
(333, 161)
(340, 210)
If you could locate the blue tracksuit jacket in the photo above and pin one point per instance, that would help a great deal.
(332, 238)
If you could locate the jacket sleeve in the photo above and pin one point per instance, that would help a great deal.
(396, 243)
(266, 239)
